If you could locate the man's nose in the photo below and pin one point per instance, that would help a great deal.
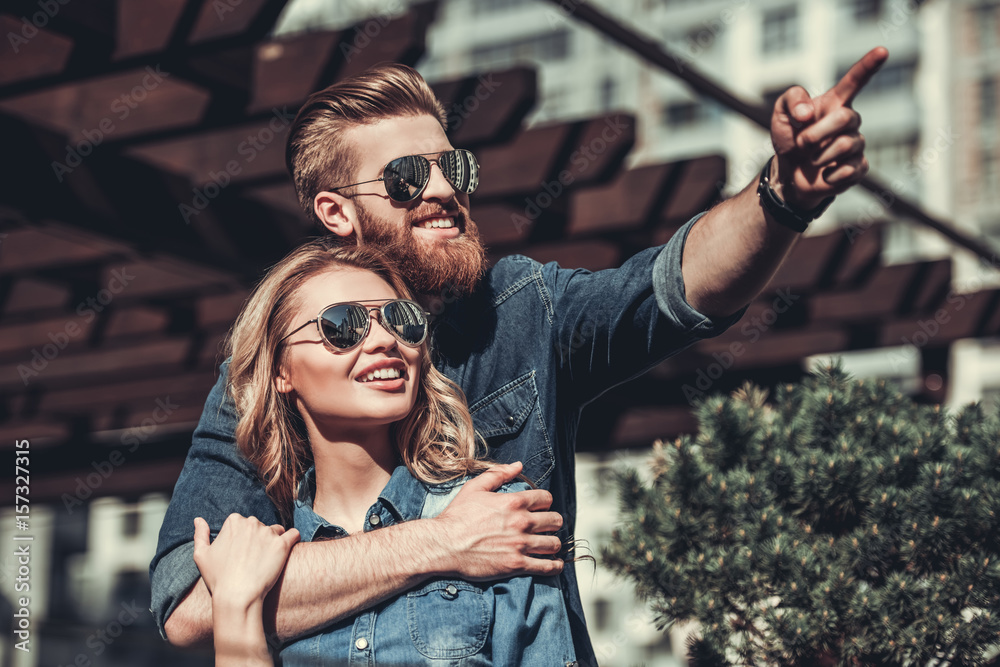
(438, 187)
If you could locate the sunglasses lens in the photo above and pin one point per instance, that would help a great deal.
(343, 326)
(406, 321)
(460, 167)
(405, 177)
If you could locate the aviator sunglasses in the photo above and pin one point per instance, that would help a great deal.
(343, 326)
(406, 177)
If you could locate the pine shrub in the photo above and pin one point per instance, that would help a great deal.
(840, 523)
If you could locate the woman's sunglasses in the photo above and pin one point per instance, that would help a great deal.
(406, 177)
(345, 325)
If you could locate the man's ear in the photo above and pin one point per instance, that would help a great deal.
(336, 213)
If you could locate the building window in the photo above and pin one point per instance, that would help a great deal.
(891, 155)
(892, 77)
(686, 114)
(602, 609)
(866, 10)
(545, 47)
(988, 101)
(780, 30)
(985, 18)
(490, 6)
(608, 93)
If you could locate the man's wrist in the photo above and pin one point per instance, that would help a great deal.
(773, 197)
(785, 191)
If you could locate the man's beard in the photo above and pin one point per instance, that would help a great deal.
(432, 266)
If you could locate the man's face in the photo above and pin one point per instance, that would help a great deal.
(432, 239)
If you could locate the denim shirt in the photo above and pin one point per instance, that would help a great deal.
(517, 621)
(531, 347)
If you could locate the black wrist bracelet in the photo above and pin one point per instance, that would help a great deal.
(782, 213)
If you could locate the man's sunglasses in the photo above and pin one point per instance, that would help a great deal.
(343, 326)
(406, 177)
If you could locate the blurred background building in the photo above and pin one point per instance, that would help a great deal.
(894, 299)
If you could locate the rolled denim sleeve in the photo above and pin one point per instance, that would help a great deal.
(668, 286)
(214, 483)
(610, 326)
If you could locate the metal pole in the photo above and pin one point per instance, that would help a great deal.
(655, 53)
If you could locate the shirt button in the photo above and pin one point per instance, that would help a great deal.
(374, 520)
(361, 644)
(510, 420)
(451, 590)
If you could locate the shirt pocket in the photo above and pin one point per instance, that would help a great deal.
(449, 619)
(511, 422)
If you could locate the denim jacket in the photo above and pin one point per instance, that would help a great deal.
(517, 621)
(531, 347)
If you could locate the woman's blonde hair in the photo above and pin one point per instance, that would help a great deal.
(436, 440)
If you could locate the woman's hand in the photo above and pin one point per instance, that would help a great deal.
(246, 558)
(239, 568)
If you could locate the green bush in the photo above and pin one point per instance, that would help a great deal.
(840, 523)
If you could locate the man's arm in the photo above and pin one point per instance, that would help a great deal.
(735, 249)
(480, 536)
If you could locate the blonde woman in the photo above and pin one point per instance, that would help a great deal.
(352, 429)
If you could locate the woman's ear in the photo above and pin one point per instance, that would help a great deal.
(282, 383)
(336, 213)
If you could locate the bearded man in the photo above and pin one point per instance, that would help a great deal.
(529, 344)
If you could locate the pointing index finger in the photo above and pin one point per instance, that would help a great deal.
(860, 74)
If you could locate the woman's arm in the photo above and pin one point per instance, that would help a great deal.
(239, 568)
(481, 536)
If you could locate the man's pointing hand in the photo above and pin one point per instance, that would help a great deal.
(819, 148)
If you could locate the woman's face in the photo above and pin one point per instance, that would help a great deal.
(333, 389)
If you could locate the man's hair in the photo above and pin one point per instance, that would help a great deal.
(316, 154)
(436, 439)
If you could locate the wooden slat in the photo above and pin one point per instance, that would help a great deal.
(502, 224)
(375, 41)
(223, 19)
(111, 107)
(162, 275)
(219, 312)
(804, 266)
(521, 166)
(38, 247)
(45, 53)
(28, 295)
(592, 255)
(67, 366)
(490, 107)
(236, 153)
(623, 204)
(698, 183)
(642, 426)
(16, 340)
(287, 71)
(881, 295)
(145, 26)
(603, 144)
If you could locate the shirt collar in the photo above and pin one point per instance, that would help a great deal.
(403, 496)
